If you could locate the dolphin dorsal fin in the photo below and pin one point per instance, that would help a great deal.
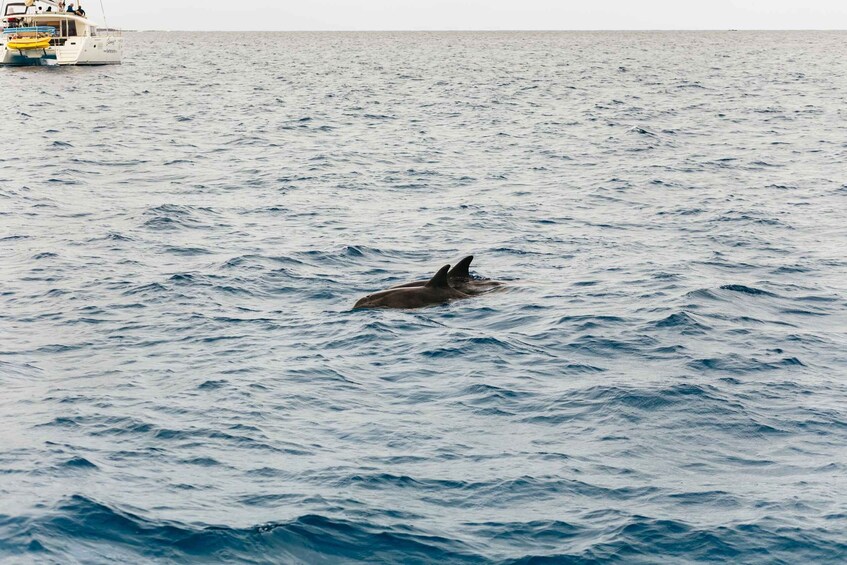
(440, 278)
(461, 270)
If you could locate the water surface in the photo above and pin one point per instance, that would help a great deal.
(182, 238)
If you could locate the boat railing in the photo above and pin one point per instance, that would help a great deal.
(31, 30)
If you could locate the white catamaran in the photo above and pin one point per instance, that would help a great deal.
(45, 32)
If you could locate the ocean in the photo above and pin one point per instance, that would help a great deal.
(662, 380)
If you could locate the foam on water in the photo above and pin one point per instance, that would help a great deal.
(182, 239)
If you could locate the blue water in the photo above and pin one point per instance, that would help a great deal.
(182, 239)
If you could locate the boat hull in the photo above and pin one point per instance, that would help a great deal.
(97, 50)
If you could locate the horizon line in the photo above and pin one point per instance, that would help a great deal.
(586, 30)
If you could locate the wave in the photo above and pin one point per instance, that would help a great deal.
(746, 290)
(81, 529)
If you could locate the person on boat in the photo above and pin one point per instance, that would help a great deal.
(71, 8)
(61, 5)
(80, 12)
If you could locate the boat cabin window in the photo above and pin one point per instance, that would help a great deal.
(64, 28)
(15, 9)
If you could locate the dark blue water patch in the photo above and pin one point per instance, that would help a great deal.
(738, 364)
(584, 323)
(165, 223)
(202, 462)
(694, 546)
(746, 290)
(643, 131)
(467, 494)
(604, 346)
(212, 385)
(187, 251)
(62, 422)
(79, 463)
(16, 370)
(680, 211)
(760, 163)
(66, 181)
(153, 288)
(258, 262)
(786, 269)
(271, 210)
(56, 292)
(86, 320)
(485, 394)
(186, 278)
(174, 217)
(80, 526)
(803, 312)
(112, 236)
(684, 322)
(704, 404)
(44, 255)
(477, 344)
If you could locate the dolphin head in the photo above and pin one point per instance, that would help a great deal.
(365, 302)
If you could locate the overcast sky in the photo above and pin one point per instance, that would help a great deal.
(472, 14)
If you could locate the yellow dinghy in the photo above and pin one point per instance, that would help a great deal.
(27, 43)
(29, 38)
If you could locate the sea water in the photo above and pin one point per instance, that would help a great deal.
(182, 238)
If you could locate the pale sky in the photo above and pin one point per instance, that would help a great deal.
(287, 15)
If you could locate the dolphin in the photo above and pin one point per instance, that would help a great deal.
(459, 278)
(435, 291)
